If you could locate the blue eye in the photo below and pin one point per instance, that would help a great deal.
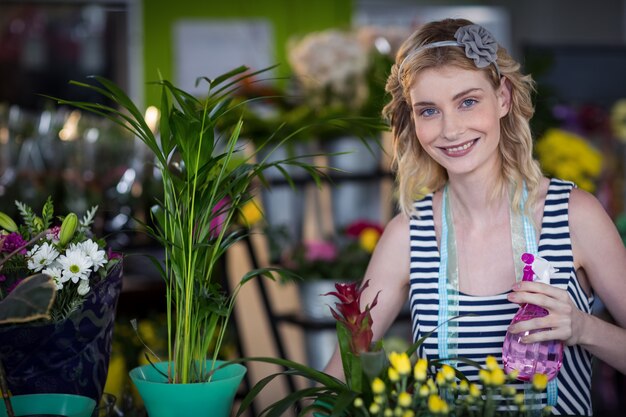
(427, 112)
(468, 102)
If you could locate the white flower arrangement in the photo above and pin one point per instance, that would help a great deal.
(330, 67)
(68, 253)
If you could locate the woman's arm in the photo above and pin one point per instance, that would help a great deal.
(600, 256)
(388, 275)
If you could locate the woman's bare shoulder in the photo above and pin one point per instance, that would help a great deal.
(394, 245)
(585, 210)
(592, 230)
(398, 224)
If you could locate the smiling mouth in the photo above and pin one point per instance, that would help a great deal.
(460, 149)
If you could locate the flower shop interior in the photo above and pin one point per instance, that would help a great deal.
(324, 60)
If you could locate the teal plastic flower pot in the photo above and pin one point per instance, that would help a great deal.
(204, 399)
(66, 405)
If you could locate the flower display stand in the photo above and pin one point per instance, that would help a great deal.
(284, 205)
(355, 200)
(319, 342)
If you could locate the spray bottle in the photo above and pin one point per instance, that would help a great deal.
(530, 358)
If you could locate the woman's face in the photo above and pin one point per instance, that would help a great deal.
(457, 116)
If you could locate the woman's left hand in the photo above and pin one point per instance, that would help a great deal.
(564, 322)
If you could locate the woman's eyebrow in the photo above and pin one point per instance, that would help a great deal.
(462, 93)
(423, 103)
(456, 97)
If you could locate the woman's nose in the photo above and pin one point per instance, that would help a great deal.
(452, 127)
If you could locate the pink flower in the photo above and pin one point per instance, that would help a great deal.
(13, 241)
(355, 229)
(53, 233)
(113, 255)
(348, 312)
(220, 211)
(316, 250)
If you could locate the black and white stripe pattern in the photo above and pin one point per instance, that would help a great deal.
(482, 334)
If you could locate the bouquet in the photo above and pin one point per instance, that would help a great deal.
(65, 250)
(70, 352)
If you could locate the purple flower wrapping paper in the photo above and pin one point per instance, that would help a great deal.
(71, 356)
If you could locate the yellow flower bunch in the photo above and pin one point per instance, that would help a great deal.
(251, 213)
(570, 157)
(369, 238)
(395, 386)
(406, 390)
(401, 363)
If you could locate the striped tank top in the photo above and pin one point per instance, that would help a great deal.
(482, 334)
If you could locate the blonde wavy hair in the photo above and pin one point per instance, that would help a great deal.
(416, 172)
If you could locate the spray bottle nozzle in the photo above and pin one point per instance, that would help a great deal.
(528, 258)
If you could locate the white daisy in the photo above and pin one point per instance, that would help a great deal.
(94, 253)
(55, 273)
(40, 257)
(75, 265)
(83, 287)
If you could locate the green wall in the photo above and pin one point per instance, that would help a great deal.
(289, 17)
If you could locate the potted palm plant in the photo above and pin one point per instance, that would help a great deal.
(206, 180)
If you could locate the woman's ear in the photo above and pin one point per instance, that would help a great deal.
(504, 96)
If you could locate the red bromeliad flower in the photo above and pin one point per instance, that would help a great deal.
(348, 312)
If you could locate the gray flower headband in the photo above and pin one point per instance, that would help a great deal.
(478, 42)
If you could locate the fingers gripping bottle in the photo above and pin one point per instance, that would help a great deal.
(539, 357)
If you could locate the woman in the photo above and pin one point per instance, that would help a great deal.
(472, 200)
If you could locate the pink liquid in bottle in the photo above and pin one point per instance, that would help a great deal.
(531, 358)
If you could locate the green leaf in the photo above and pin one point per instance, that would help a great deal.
(373, 363)
(322, 378)
(355, 381)
(230, 74)
(344, 336)
(28, 215)
(187, 103)
(459, 374)
(120, 97)
(254, 391)
(47, 213)
(280, 407)
(421, 340)
(30, 300)
(267, 272)
(244, 75)
(164, 124)
(344, 400)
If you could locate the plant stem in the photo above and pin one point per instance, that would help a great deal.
(4, 387)
(27, 244)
